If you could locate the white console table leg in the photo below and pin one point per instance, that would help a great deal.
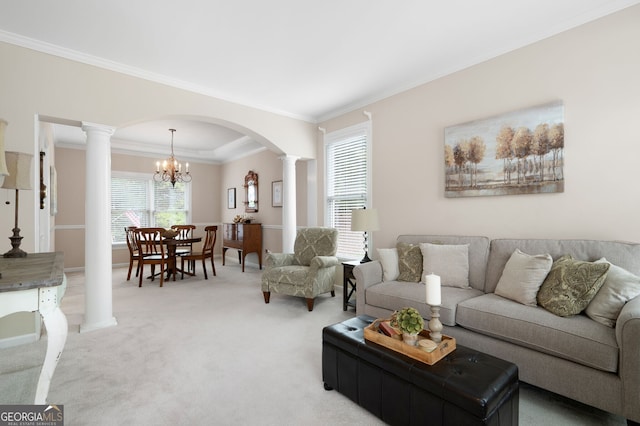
(56, 323)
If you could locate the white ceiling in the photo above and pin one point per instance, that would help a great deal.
(305, 59)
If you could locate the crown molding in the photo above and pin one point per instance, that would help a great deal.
(74, 55)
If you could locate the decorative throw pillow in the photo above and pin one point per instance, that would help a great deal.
(522, 277)
(409, 262)
(389, 261)
(619, 287)
(450, 262)
(571, 285)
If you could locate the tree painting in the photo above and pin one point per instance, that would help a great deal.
(521, 152)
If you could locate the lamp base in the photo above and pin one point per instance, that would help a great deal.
(365, 259)
(16, 239)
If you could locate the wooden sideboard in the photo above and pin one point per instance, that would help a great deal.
(244, 237)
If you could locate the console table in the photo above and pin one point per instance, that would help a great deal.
(37, 283)
(244, 237)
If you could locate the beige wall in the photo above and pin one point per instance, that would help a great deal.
(594, 70)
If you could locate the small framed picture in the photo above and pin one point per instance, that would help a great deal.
(231, 198)
(276, 193)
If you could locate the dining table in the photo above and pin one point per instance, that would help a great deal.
(172, 246)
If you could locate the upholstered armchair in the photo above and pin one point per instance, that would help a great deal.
(307, 272)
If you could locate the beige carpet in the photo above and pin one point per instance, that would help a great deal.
(199, 352)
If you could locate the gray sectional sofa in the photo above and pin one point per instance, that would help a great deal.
(573, 356)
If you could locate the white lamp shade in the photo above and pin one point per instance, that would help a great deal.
(3, 164)
(364, 220)
(19, 166)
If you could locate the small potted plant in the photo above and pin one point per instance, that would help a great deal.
(410, 323)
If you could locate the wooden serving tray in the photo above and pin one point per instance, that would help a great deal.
(445, 347)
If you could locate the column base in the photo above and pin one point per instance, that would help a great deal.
(85, 327)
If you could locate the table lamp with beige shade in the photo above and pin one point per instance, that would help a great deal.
(18, 178)
(365, 220)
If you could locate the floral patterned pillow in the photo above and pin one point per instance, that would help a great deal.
(409, 262)
(571, 285)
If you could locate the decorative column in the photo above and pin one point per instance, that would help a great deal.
(288, 202)
(98, 274)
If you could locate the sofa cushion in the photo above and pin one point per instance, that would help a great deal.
(289, 275)
(619, 287)
(522, 277)
(312, 242)
(450, 262)
(478, 252)
(409, 262)
(395, 295)
(571, 285)
(389, 261)
(577, 338)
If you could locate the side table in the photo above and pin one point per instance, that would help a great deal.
(37, 283)
(348, 284)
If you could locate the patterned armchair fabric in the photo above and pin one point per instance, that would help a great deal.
(308, 271)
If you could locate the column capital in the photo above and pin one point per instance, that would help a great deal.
(287, 158)
(88, 127)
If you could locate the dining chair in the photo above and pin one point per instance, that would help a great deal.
(134, 250)
(184, 231)
(206, 253)
(153, 252)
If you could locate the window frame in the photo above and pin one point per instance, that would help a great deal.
(150, 208)
(347, 135)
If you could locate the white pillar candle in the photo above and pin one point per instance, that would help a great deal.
(433, 290)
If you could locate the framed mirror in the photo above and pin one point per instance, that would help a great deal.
(251, 192)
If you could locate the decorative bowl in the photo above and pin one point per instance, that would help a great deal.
(170, 233)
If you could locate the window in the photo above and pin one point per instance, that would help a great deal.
(138, 200)
(347, 184)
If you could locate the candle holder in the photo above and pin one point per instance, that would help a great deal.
(435, 326)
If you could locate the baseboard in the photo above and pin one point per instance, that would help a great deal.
(10, 342)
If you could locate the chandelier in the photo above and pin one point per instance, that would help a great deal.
(171, 169)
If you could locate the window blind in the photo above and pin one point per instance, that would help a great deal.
(138, 200)
(169, 204)
(347, 187)
(129, 205)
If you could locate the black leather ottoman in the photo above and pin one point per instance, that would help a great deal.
(465, 388)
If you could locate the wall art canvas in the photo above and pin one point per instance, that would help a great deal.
(521, 152)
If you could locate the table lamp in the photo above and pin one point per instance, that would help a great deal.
(367, 221)
(19, 168)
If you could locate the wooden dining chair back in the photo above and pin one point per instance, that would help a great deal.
(153, 252)
(134, 250)
(184, 231)
(206, 253)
